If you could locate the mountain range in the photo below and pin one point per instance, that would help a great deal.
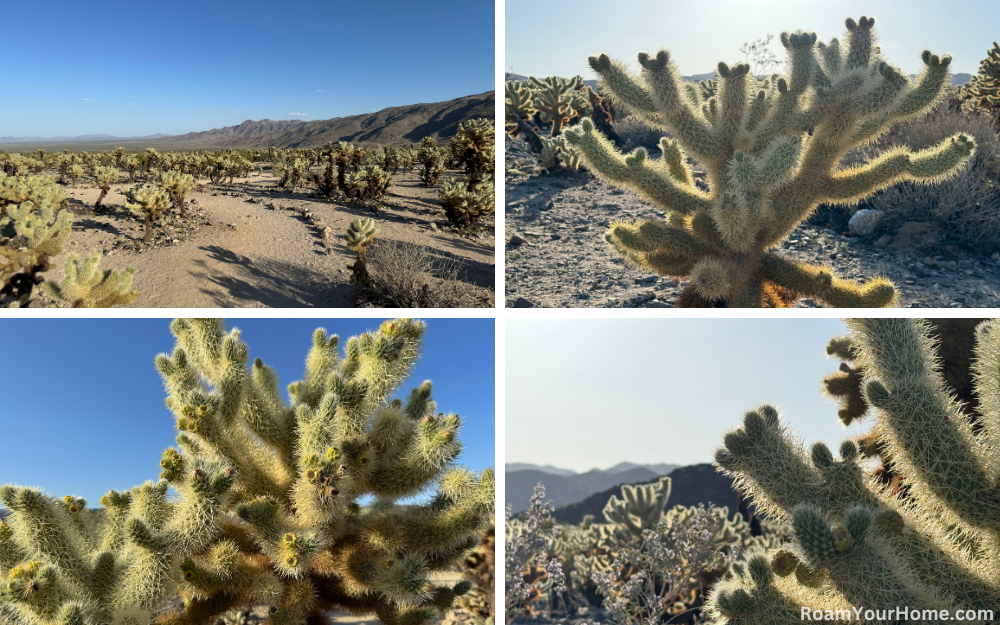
(398, 124)
(78, 139)
(564, 487)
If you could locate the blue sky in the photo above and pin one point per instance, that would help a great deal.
(555, 41)
(139, 68)
(83, 405)
(590, 393)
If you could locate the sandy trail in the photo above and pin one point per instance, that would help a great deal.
(236, 251)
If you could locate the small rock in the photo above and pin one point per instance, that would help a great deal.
(434, 227)
(647, 279)
(523, 302)
(884, 240)
(864, 222)
(515, 239)
(657, 304)
(549, 205)
(995, 256)
(930, 261)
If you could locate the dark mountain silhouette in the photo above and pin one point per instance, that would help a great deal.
(567, 489)
(690, 486)
(400, 124)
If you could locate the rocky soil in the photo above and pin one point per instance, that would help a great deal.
(556, 256)
(252, 244)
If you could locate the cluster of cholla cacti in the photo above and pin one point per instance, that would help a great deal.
(771, 149)
(34, 227)
(294, 506)
(921, 550)
(554, 103)
(470, 198)
(644, 563)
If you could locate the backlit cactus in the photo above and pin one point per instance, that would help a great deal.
(85, 285)
(177, 186)
(857, 544)
(771, 150)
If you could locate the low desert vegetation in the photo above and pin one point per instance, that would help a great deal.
(739, 162)
(36, 216)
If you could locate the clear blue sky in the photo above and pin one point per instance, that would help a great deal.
(590, 393)
(550, 40)
(83, 405)
(139, 68)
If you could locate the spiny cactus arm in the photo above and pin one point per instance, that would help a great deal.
(660, 246)
(915, 420)
(765, 591)
(928, 166)
(769, 464)
(648, 179)
(929, 89)
(322, 359)
(451, 520)
(986, 376)
(733, 97)
(87, 286)
(386, 358)
(860, 562)
(408, 456)
(10, 553)
(197, 519)
(42, 528)
(818, 282)
(266, 414)
(144, 580)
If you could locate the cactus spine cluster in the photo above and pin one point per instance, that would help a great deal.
(930, 547)
(290, 505)
(771, 150)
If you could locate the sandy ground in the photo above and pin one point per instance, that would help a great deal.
(556, 256)
(247, 245)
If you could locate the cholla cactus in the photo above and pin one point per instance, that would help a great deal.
(641, 506)
(151, 203)
(57, 572)
(553, 97)
(360, 235)
(87, 286)
(104, 177)
(430, 157)
(39, 234)
(982, 93)
(75, 171)
(518, 103)
(466, 208)
(34, 189)
(475, 147)
(302, 543)
(770, 150)
(177, 186)
(858, 544)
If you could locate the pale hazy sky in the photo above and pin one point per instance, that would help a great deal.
(586, 393)
(552, 38)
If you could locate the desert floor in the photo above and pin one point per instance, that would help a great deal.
(250, 244)
(556, 256)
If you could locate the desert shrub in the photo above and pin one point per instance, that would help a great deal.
(638, 134)
(966, 206)
(403, 275)
(526, 548)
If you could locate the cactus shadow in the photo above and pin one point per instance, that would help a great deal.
(274, 284)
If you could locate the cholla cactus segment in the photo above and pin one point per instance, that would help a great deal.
(302, 543)
(858, 543)
(360, 235)
(554, 99)
(87, 286)
(771, 150)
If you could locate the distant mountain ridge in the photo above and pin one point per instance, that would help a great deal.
(400, 124)
(564, 487)
(77, 139)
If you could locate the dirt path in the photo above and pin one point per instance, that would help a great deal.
(247, 245)
(564, 262)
